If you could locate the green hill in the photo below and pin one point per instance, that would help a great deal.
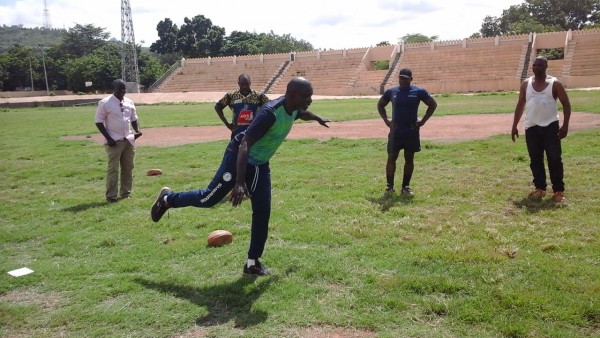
(29, 37)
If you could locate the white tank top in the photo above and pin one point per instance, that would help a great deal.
(540, 107)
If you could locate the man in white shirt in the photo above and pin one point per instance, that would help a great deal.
(115, 115)
(537, 98)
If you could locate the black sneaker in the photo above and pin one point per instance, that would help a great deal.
(406, 191)
(256, 270)
(111, 200)
(389, 190)
(160, 206)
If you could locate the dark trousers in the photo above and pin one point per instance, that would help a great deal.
(258, 181)
(542, 140)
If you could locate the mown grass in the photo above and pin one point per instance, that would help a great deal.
(467, 256)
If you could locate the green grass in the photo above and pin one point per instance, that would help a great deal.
(467, 256)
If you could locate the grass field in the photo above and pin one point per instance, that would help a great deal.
(468, 256)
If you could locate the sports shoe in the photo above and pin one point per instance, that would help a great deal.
(558, 197)
(537, 194)
(111, 200)
(406, 191)
(160, 206)
(256, 269)
(389, 190)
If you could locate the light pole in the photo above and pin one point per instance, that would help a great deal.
(45, 74)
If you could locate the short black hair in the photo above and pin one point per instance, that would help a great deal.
(244, 76)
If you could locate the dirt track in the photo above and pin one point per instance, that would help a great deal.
(439, 128)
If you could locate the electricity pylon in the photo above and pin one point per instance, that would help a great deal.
(129, 65)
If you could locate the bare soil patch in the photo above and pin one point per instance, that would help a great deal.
(453, 128)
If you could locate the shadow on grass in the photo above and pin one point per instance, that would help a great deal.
(534, 206)
(388, 200)
(225, 302)
(86, 206)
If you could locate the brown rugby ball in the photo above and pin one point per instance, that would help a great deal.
(153, 172)
(219, 238)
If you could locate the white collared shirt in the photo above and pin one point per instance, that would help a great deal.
(117, 117)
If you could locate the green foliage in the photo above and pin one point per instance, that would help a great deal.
(15, 68)
(552, 53)
(83, 54)
(81, 40)
(381, 65)
(543, 16)
(418, 37)
(151, 69)
(199, 38)
(467, 256)
(11, 36)
(101, 67)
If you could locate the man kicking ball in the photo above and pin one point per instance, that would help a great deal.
(244, 170)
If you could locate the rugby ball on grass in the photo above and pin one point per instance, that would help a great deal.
(219, 238)
(154, 172)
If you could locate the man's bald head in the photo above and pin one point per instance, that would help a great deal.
(298, 84)
(298, 94)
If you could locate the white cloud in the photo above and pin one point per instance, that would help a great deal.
(325, 24)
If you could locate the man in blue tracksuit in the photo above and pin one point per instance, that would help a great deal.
(245, 171)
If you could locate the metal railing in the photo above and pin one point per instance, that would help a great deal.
(162, 79)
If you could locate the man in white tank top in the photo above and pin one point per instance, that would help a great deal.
(537, 98)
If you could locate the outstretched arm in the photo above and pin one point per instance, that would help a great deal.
(518, 111)
(310, 116)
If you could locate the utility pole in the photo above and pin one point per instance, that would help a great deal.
(31, 74)
(129, 64)
(45, 74)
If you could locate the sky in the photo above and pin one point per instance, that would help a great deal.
(331, 24)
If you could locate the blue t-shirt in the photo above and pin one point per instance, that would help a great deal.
(405, 105)
(270, 127)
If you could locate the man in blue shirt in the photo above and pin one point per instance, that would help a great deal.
(404, 126)
(245, 170)
(244, 103)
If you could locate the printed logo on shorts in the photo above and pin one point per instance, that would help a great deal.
(227, 177)
(245, 117)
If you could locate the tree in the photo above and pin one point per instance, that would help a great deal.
(567, 14)
(198, 37)
(167, 38)
(491, 26)
(82, 40)
(416, 38)
(240, 43)
(100, 67)
(15, 68)
(151, 69)
(543, 16)
(271, 44)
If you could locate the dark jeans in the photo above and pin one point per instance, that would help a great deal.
(540, 140)
(258, 181)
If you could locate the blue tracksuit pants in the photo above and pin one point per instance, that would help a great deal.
(258, 181)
